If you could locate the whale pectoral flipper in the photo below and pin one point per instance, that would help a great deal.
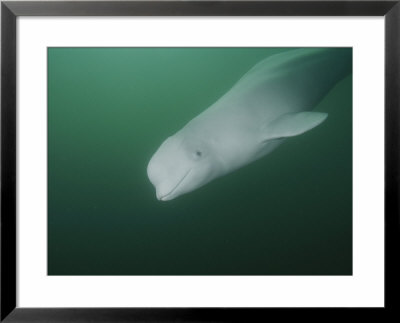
(292, 124)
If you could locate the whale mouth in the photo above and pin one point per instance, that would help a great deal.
(167, 197)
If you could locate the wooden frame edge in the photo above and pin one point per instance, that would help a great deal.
(11, 10)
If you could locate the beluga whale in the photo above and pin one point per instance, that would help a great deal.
(272, 102)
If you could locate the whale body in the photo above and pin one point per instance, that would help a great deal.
(270, 103)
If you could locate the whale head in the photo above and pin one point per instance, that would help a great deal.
(181, 165)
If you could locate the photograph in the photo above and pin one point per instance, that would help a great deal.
(199, 161)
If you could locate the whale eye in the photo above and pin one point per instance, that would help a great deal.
(197, 154)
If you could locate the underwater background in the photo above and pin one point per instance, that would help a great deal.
(109, 109)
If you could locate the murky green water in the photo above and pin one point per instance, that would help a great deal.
(289, 213)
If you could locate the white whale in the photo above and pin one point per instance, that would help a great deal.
(269, 103)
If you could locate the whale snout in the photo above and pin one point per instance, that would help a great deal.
(163, 189)
(164, 192)
(167, 190)
(167, 177)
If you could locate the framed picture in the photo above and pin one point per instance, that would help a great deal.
(198, 161)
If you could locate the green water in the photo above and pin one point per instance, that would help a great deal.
(109, 109)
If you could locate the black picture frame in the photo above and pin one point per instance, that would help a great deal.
(11, 10)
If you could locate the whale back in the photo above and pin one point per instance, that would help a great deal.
(269, 103)
(292, 81)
